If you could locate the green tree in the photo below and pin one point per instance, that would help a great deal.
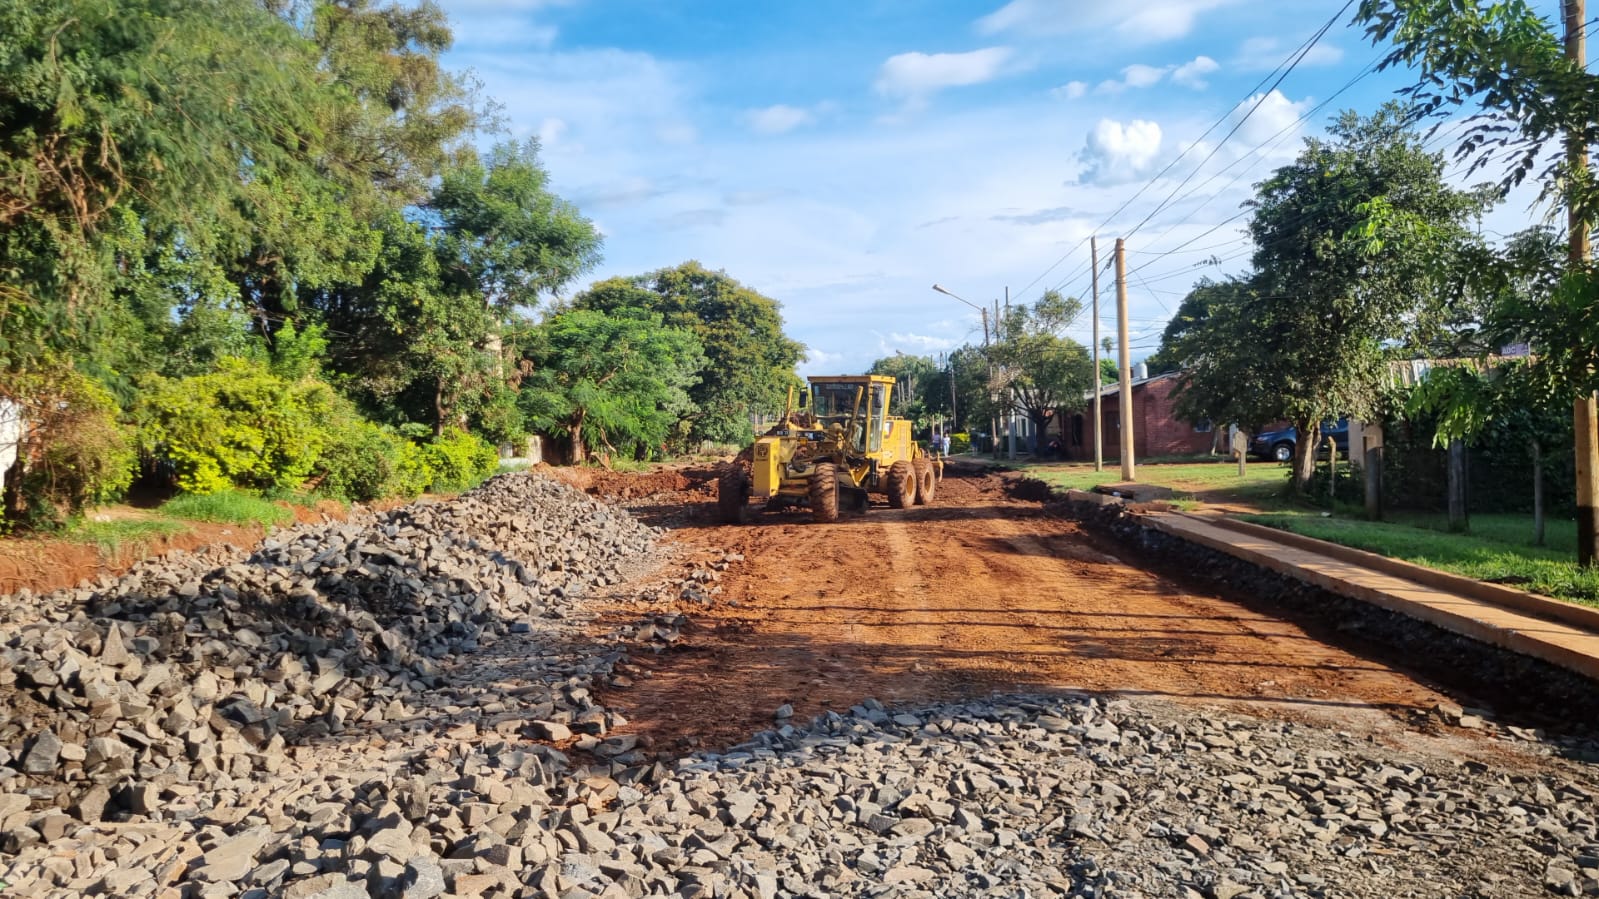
(160, 105)
(749, 360)
(916, 379)
(506, 238)
(1043, 373)
(1505, 60)
(421, 335)
(1353, 240)
(609, 382)
(1210, 338)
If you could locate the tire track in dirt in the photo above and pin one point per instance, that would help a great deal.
(976, 594)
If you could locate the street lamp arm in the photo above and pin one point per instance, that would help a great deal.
(949, 293)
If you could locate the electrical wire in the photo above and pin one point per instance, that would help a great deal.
(1305, 49)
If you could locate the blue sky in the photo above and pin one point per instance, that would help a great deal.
(842, 157)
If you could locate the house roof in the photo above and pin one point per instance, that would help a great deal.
(1114, 388)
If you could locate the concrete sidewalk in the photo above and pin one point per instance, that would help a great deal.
(1559, 633)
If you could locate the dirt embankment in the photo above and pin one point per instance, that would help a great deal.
(42, 564)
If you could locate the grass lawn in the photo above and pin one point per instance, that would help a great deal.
(1212, 483)
(110, 537)
(1499, 547)
(228, 507)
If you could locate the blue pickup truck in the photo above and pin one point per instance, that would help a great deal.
(1279, 445)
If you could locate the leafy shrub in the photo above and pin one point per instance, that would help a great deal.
(459, 461)
(73, 453)
(363, 461)
(241, 426)
(960, 442)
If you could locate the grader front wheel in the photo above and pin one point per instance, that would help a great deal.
(901, 485)
(824, 493)
(926, 482)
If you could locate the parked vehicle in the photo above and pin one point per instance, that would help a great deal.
(1279, 445)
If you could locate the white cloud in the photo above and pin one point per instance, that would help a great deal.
(1276, 116)
(821, 362)
(914, 76)
(1115, 153)
(1149, 21)
(1138, 75)
(1192, 73)
(551, 131)
(778, 119)
(917, 344)
(1071, 90)
(1265, 53)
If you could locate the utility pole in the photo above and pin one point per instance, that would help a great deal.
(1099, 417)
(1010, 399)
(993, 394)
(1585, 409)
(954, 411)
(1125, 401)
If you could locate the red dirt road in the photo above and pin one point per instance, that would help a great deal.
(975, 594)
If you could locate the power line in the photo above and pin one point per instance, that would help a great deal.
(1305, 49)
(1290, 62)
(1270, 143)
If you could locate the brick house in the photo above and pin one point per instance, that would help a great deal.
(1157, 431)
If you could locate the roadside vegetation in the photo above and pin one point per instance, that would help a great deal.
(321, 268)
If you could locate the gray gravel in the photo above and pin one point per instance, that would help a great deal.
(405, 707)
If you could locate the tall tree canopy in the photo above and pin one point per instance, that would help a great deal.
(1353, 241)
(174, 109)
(421, 334)
(1043, 371)
(749, 360)
(609, 382)
(917, 380)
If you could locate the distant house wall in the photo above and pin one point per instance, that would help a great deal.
(10, 436)
(1164, 434)
(1157, 431)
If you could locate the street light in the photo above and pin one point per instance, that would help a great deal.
(993, 423)
(951, 293)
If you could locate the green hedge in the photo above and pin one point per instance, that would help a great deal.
(239, 427)
(457, 461)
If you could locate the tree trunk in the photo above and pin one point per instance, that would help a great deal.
(574, 435)
(1040, 423)
(1457, 486)
(1305, 454)
(1537, 494)
(441, 413)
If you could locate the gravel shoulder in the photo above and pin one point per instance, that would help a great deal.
(526, 692)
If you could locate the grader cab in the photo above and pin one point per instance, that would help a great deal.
(831, 453)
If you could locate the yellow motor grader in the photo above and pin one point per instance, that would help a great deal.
(831, 453)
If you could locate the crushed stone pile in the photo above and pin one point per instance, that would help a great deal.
(120, 701)
(1012, 796)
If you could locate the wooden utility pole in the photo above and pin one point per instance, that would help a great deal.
(1124, 402)
(1585, 410)
(1099, 416)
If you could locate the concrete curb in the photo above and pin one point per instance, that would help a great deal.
(1497, 594)
(1569, 646)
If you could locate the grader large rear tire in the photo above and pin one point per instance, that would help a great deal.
(824, 493)
(901, 485)
(732, 496)
(926, 482)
